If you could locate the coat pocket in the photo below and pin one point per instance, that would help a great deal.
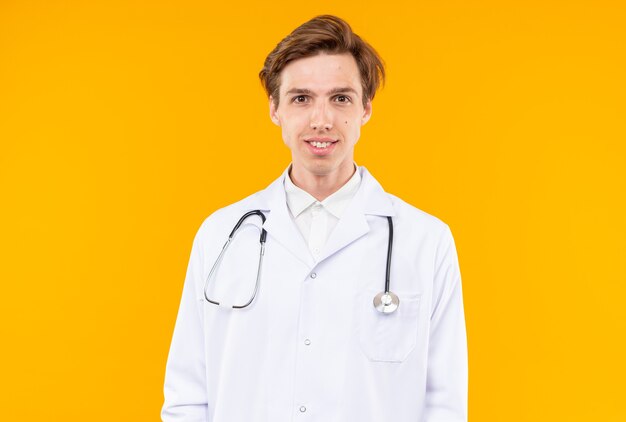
(387, 337)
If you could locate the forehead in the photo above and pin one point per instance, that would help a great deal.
(321, 73)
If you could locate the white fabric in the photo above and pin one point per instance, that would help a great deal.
(311, 346)
(316, 220)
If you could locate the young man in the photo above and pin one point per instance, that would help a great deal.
(352, 311)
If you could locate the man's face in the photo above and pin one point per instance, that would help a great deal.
(321, 113)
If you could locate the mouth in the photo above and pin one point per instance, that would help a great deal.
(318, 144)
(322, 143)
(321, 146)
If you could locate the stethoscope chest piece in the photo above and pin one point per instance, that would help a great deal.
(386, 302)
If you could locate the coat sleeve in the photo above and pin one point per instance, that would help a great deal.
(185, 375)
(447, 379)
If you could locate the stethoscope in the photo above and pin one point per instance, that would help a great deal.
(385, 302)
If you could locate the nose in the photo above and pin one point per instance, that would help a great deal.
(321, 117)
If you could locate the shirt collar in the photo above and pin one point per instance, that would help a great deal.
(299, 200)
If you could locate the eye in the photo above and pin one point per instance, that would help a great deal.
(343, 99)
(299, 99)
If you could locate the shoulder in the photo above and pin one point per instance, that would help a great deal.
(219, 224)
(221, 221)
(415, 215)
(412, 216)
(407, 218)
(417, 226)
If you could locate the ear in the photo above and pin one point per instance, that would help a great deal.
(274, 112)
(367, 112)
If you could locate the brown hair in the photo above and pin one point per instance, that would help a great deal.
(327, 34)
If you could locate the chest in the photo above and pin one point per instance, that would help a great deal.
(287, 291)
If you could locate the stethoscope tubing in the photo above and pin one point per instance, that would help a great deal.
(385, 302)
(389, 245)
(262, 238)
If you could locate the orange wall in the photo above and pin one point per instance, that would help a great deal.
(124, 123)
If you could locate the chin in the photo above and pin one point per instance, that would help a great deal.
(323, 169)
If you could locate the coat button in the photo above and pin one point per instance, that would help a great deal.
(307, 342)
(313, 275)
(302, 409)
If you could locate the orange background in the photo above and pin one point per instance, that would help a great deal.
(124, 123)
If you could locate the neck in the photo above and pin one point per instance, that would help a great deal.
(321, 186)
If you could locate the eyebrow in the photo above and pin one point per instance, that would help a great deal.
(339, 90)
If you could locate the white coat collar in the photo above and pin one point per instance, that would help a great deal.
(370, 199)
(299, 200)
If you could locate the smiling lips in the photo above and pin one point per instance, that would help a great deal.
(321, 143)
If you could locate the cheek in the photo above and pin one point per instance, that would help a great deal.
(289, 130)
(293, 125)
(285, 132)
(353, 131)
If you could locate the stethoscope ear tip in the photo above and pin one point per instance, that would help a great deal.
(386, 302)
